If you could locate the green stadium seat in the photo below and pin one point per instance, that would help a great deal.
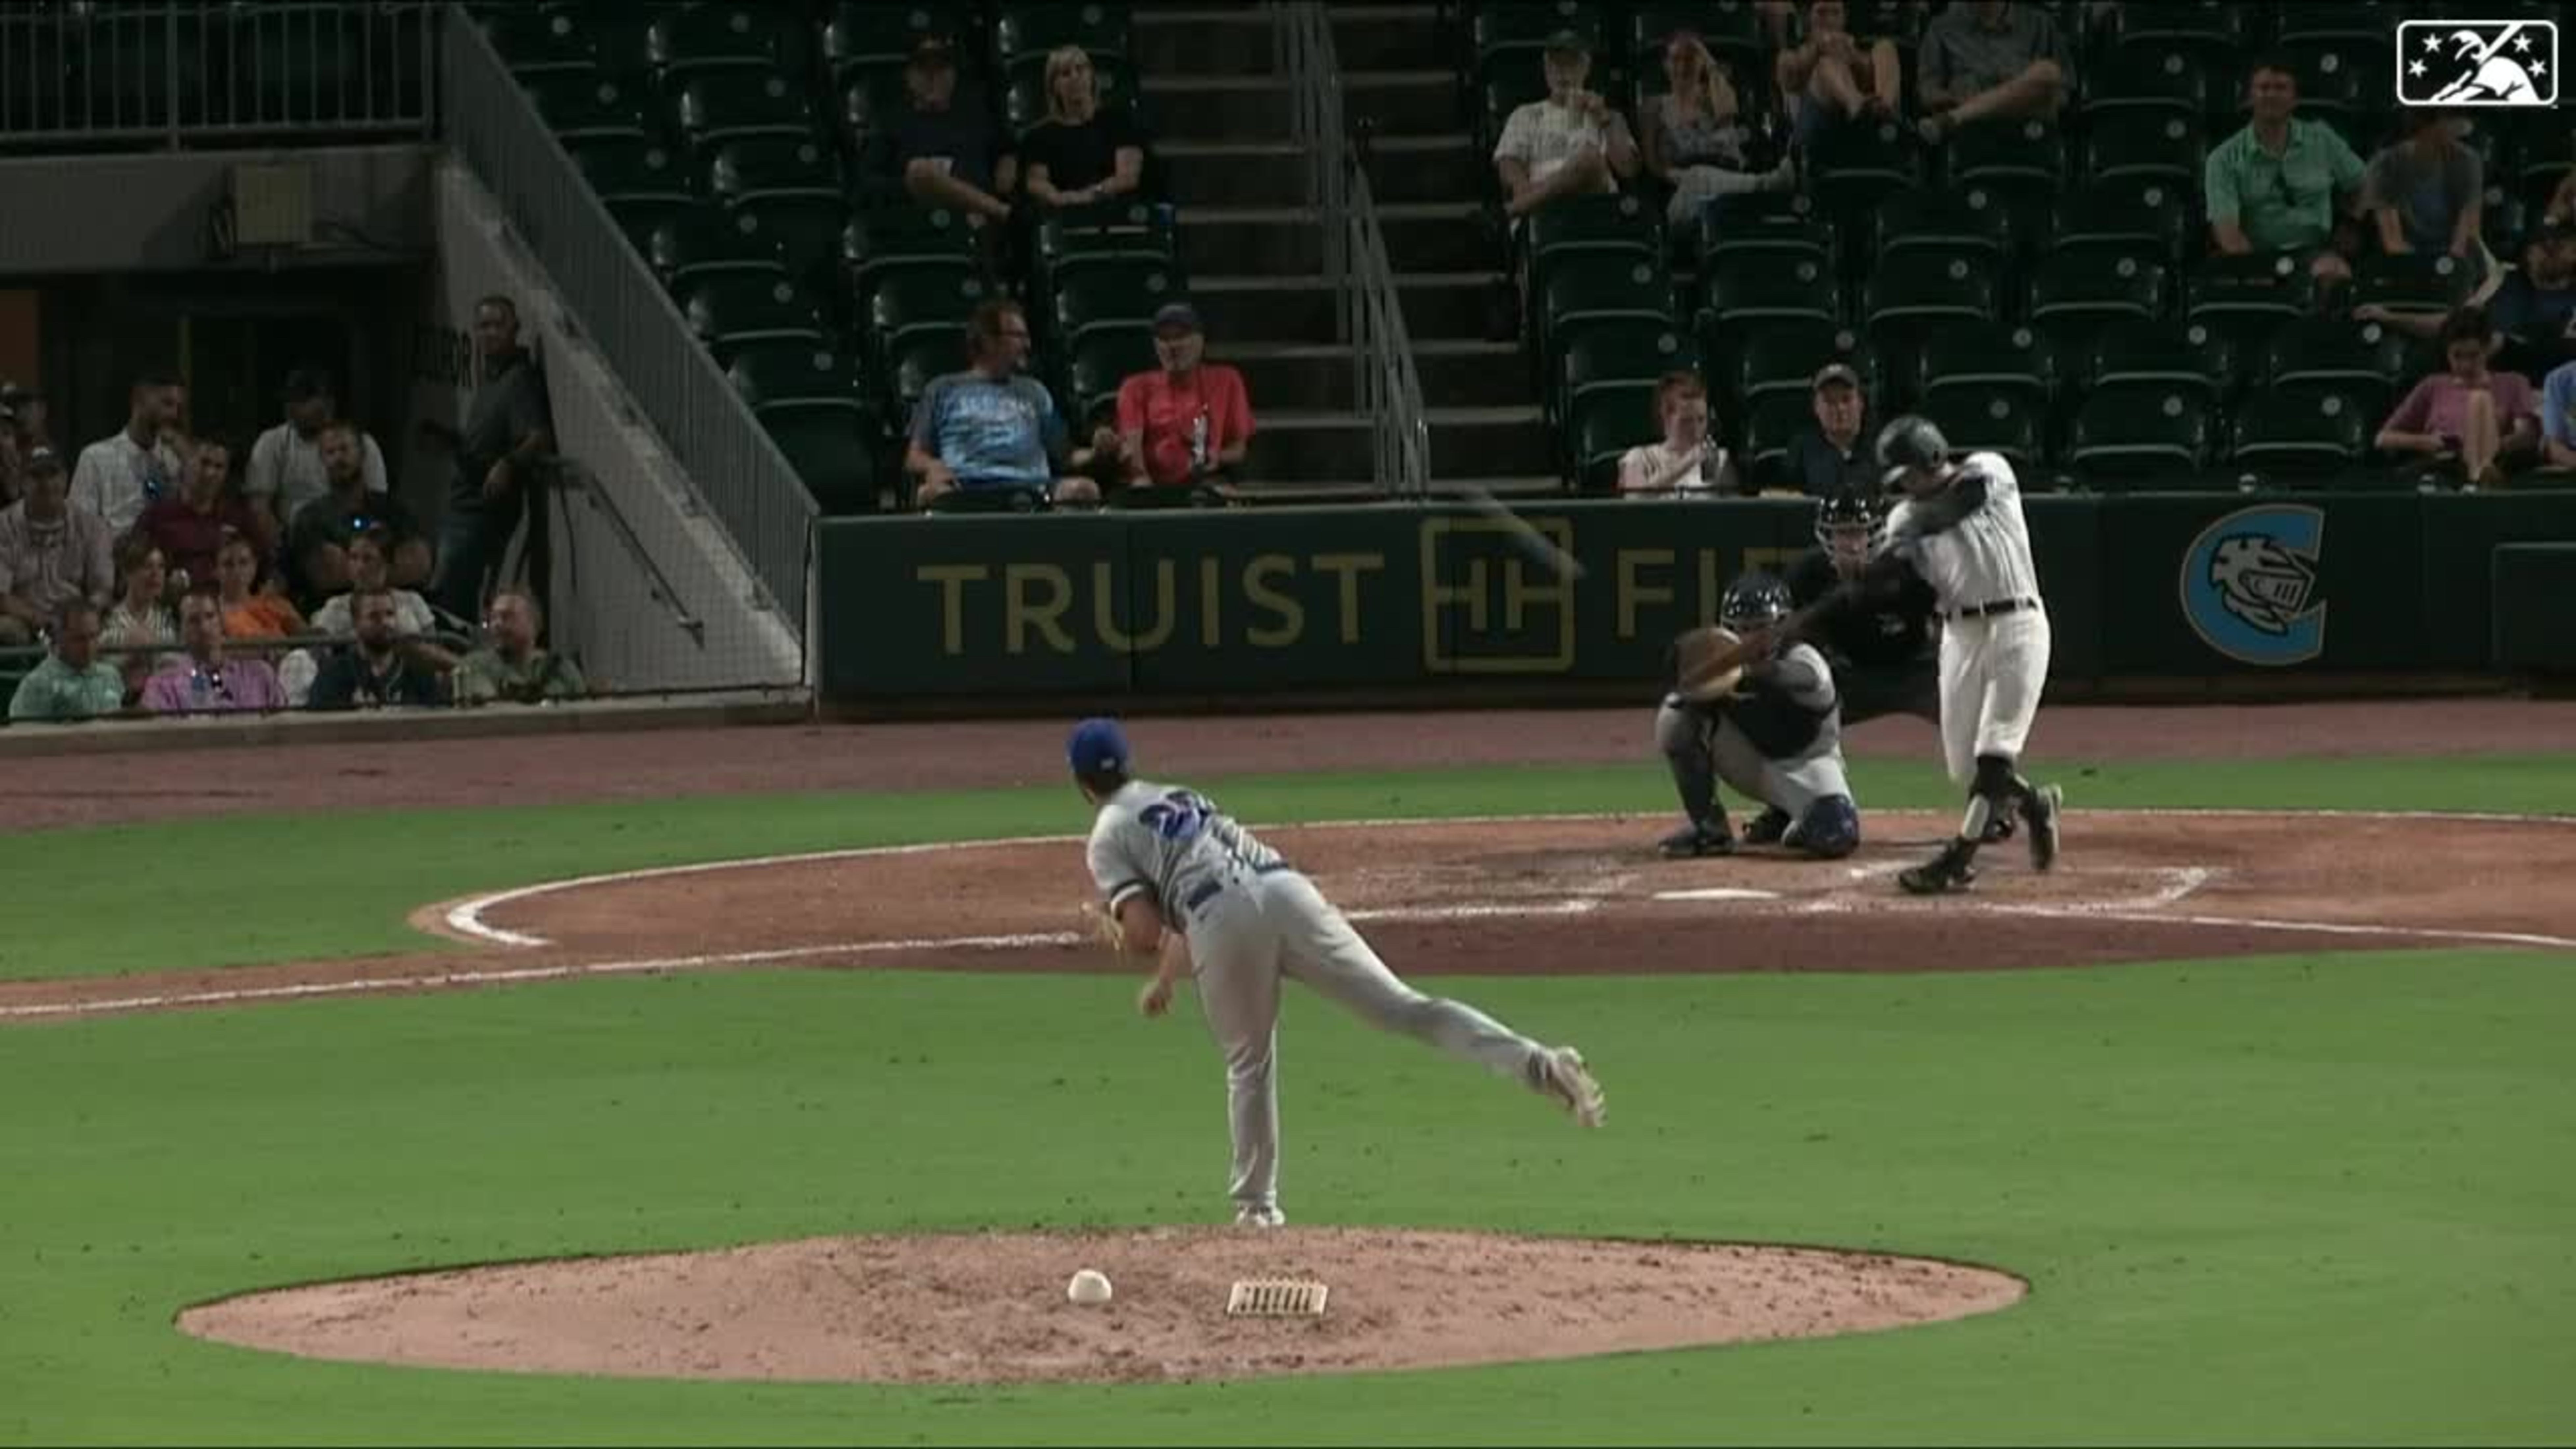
(1769, 223)
(803, 230)
(1991, 420)
(623, 169)
(772, 168)
(1597, 290)
(708, 40)
(1620, 226)
(703, 244)
(2338, 22)
(730, 106)
(2342, 80)
(1619, 357)
(2124, 435)
(899, 305)
(2362, 360)
(2077, 293)
(1784, 357)
(2146, 146)
(1853, 166)
(2300, 433)
(1120, 297)
(921, 356)
(1769, 287)
(619, 35)
(1913, 292)
(2015, 158)
(1103, 361)
(884, 240)
(787, 376)
(1771, 423)
(1035, 29)
(1108, 236)
(2160, 80)
(832, 450)
(2216, 33)
(2414, 283)
(1731, 29)
(593, 106)
(1969, 221)
(1989, 355)
(2129, 215)
(860, 31)
(733, 312)
(534, 42)
(2177, 356)
(1605, 425)
(1503, 36)
(2254, 291)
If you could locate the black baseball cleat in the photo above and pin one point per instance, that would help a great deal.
(1768, 827)
(1695, 840)
(1999, 826)
(1943, 873)
(2042, 806)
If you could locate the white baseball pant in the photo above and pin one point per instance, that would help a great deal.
(1992, 672)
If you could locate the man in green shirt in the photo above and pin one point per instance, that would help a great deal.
(510, 667)
(73, 682)
(2283, 183)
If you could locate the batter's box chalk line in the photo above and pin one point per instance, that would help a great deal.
(1276, 1298)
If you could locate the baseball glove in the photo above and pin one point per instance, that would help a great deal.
(1694, 653)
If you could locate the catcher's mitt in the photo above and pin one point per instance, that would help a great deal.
(1693, 654)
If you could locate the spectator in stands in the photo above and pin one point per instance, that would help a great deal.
(2558, 417)
(1833, 80)
(2535, 307)
(1696, 138)
(316, 561)
(942, 154)
(52, 551)
(2427, 193)
(72, 682)
(992, 426)
(1080, 154)
(1688, 460)
(118, 476)
(206, 678)
(378, 667)
(30, 416)
(251, 612)
(1833, 455)
(286, 470)
(190, 525)
(510, 668)
(12, 458)
(1570, 144)
(1991, 60)
(2470, 416)
(368, 571)
(1189, 423)
(2284, 183)
(508, 433)
(142, 619)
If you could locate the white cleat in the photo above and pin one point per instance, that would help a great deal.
(1252, 1217)
(1570, 1082)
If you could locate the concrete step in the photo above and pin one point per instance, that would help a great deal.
(1511, 485)
(1197, 107)
(1444, 166)
(1299, 308)
(1279, 240)
(1438, 236)
(1234, 173)
(1388, 36)
(1408, 102)
(1199, 42)
(1477, 442)
(1325, 376)
(1304, 446)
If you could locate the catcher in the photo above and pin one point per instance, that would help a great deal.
(1770, 727)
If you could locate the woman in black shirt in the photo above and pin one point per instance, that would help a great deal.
(1080, 154)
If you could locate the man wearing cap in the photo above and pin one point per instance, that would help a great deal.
(1827, 459)
(2533, 309)
(52, 552)
(992, 427)
(1189, 423)
(286, 470)
(121, 474)
(1570, 144)
(941, 154)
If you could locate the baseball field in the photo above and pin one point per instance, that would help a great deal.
(2254, 1122)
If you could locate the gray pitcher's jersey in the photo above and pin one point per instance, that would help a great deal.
(1169, 841)
(1984, 558)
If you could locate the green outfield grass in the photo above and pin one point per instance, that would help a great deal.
(2269, 1200)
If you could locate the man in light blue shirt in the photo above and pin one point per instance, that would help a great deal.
(2558, 416)
(991, 427)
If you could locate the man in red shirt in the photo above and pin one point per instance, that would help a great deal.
(1187, 424)
(189, 526)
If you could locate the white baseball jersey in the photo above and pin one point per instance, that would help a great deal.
(1985, 557)
(1172, 842)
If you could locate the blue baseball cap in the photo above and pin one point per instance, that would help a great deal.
(1098, 746)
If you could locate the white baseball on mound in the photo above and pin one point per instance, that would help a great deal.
(1088, 1288)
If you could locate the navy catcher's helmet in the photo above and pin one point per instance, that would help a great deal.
(1846, 511)
(1910, 442)
(1753, 601)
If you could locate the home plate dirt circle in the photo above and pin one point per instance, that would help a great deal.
(991, 1308)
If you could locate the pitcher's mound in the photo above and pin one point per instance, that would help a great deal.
(991, 1308)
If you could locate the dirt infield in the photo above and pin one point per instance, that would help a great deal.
(991, 1308)
(553, 769)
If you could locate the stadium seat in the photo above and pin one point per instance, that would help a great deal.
(2123, 435)
(2299, 433)
(2254, 291)
(2216, 33)
(1122, 297)
(1769, 287)
(2127, 214)
(1035, 29)
(1853, 166)
(1112, 234)
(703, 244)
(1731, 29)
(1103, 361)
(2362, 360)
(714, 110)
(630, 169)
(860, 32)
(619, 35)
(2075, 293)
(1501, 37)
(1771, 423)
(2159, 80)
(2415, 283)
(925, 354)
(2147, 146)
(884, 240)
(2014, 158)
(588, 106)
(696, 40)
(774, 168)
(802, 230)
(1911, 293)
(832, 450)
(1991, 420)
(901, 304)
(2337, 22)
(2343, 81)
(2179, 356)
(1784, 358)
(1785, 223)
(1620, 226)
(733, 312)
(1603, 426)
(1618, 358)
(1969, 221)
(1989, 355)
(787, 376)
(1597, 290)
(534, 42)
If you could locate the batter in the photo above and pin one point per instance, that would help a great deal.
(1191, 887)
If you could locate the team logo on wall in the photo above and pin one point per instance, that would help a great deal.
(2477, 62)
(2249, 584)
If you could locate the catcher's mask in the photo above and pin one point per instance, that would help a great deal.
(1845, 526)
(1754, 601)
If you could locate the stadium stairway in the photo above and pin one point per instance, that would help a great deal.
(1254, 251)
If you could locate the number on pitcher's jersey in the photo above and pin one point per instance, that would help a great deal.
(1169, 841)
(1982, 559)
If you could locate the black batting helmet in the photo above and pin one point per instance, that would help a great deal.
(1842, 511)
(1910, 442)
(1753, 601)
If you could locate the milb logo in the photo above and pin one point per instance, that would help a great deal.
(2477, 63)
